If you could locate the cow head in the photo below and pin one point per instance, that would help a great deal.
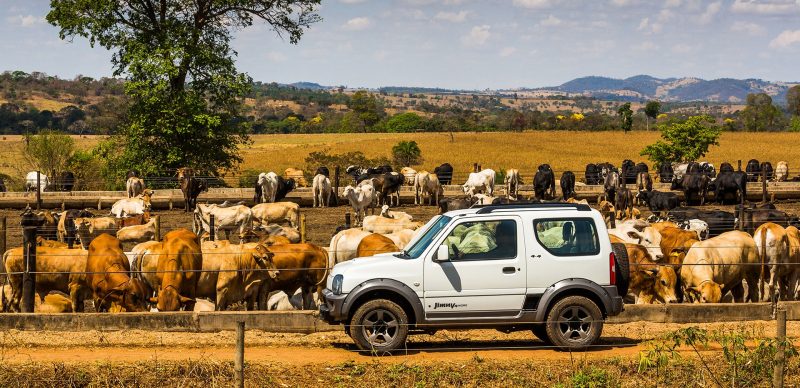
(664, 281)
(706, 292)
(676, 184)
(263, 257)
(650, 238)
(169, 299)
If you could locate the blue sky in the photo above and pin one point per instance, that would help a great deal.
(474, 43)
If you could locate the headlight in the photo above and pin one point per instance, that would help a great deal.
(336, 285)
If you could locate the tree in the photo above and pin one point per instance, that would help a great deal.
(684, 141)
(49, 152)
(793, 100)
(651, 111)
(406, 153)
(185, 92)
(367, 107)
(626, 115)
(760, 115)
(405, 122)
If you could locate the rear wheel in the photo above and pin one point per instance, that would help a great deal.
(380, 326)
(574, 323)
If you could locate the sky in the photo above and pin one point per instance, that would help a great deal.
(473, 44)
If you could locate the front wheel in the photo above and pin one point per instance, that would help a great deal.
(380, 326)
(574, 323)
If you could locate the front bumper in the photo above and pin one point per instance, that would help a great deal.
(332, 311)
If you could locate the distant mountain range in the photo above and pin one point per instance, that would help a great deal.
(637, 88)
(645, 87)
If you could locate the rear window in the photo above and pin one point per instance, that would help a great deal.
(568, 236)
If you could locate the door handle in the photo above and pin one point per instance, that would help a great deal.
(536, 256)
(509, 270)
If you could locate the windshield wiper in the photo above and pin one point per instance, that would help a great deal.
(403, 255)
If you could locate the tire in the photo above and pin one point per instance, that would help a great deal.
(540, 331)
(383, 320)
(574, 323)
(622, 268)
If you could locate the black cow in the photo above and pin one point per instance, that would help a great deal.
(592, 174)
(380, 169)
(450, 204)
(665, 172)
(258, 194)
(392, 182)
(568, 184)
(623, 201)
(323, 171)
(766, 169)
(725, 167)
(544, 182)
(629, 171)
(444, 173)
(191, 186)
(285, 186)
(3, 188)
(642, 167)
(131, 174)
(757, 215)
(65, 181)
(692, 185)
(730, 187)
(605, 169)
(69, 224)
(753, 170)
(718, 221)
(659, 201)
(707, 169)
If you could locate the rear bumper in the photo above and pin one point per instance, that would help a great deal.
(615, 305)
(332, 311)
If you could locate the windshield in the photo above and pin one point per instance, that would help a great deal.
(415, 248)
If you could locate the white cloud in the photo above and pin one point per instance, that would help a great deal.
(749, 28)
(682, 48)
(380, 55)
(710, 12)
(535, 4)
(643, 24)
(551, 21)
(765, 7)
(785, 39)
(25, 20)
(645, 46)
(352, 1)
(622, 3)
(356, 24)
(477, 36)
(672, 3)
(508, 51)
(454, 17)
(453, 2)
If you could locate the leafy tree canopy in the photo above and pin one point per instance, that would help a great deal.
(684, 141)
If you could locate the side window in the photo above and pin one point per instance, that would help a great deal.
(483, 240)
(568, 236)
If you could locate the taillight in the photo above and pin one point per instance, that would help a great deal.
(612, 268)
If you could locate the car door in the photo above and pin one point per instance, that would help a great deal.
(485, 274)
(564, 248)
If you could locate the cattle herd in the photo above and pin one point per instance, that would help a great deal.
(678, 254)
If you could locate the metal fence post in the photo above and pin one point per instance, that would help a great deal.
(780, 355)
(302, 228)
(29, 228)
(38, 190)
(211, 234)
(238, 361)
(740, 166)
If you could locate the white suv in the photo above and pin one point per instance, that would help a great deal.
(548, 267)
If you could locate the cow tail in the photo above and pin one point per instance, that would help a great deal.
(328, 267)
(763, 254)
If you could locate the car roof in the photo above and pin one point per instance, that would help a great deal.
(519, 207)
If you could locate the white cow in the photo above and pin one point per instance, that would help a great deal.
(512, 181)
(277, 213)
(383, 225)
(695, 225)
(715, 266)
(640, 232)
(132, 206)
(479, 182)
(782, 171)
(483, 199)
(138, 233)
(134, 186)
(269, 186)
(396, 214)
(30, 182)
(360, 198)
(225, 218)
(409, 174)
(344, 245)
(772, 246)
(401, 238)
(321, 186)
(427, 185)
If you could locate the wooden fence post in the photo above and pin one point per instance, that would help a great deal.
(211, 234)
(38, 190)
(740, 166)
(474, 167)
(158, 228)
(3, 234)
(780, 355)
(347, 220)
(302, 228)
(764, 186)
(335, 186)
(238, 361)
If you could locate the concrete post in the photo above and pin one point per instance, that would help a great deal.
(302, 228)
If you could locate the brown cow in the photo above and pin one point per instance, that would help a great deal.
(375, 244)
(675, 242)
(63, 269)
(243, 268)
(650, 282)
(302, 266)
(181, 256)
(793, 234)
(107, 274)
(190, 186)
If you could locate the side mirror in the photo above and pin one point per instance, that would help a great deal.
(442, 254)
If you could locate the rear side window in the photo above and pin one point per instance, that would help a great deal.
(483, 240)
(568, 236)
